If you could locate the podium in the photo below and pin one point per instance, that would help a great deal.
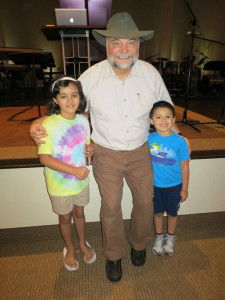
(75, 35)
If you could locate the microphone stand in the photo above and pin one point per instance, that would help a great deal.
(193, 36)
(185, 119)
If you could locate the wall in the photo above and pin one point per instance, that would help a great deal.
(20, 23)
(180, 43)
(147, 15)
(24, 201)
(211, 25)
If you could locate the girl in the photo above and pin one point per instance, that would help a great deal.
(63, 156)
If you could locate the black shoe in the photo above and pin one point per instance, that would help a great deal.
(114, 270)
(138, 257)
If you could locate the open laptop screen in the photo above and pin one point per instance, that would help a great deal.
(99, 11)
(70, 16)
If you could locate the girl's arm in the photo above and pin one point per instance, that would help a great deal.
(185, 179)
(55, 164)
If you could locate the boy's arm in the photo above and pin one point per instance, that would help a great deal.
(55, 164)
(185, 179)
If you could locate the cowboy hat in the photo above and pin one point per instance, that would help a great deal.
(121, 26)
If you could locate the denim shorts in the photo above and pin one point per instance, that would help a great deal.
(167, 200)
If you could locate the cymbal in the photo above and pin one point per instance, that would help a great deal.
(187, 58)
(150, 57)
(162, 59)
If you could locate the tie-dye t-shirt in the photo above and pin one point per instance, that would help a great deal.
(66, 142)
(167, 152)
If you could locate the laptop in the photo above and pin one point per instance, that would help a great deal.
(71, 16)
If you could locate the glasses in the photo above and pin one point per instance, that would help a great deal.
(129, 43)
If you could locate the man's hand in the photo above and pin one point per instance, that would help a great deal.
(177, 130)
(81, 172)
(37, 131)
(89, 151)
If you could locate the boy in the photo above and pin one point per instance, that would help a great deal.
(170, 158)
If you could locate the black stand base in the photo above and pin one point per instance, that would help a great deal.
(23, 111)
(186, 121)
(190, 123)
(35, 118)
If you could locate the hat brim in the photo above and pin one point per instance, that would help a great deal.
(101, 35)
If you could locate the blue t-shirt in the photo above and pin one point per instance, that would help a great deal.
(167, 152)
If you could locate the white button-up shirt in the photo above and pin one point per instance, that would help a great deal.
(120, 108)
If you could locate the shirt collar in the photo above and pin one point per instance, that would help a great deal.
(135, 71)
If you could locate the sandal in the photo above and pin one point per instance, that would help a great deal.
(68, 267)
(93, 258)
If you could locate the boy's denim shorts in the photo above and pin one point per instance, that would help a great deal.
(167, 200)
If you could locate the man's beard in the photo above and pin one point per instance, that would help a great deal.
(122, 66)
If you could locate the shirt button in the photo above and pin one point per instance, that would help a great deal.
(126, 116)
(124, 99)
(127, 131)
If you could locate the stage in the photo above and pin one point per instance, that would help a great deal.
(23, 185)
(18, 150)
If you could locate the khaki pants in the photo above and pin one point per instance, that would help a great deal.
(110, 167)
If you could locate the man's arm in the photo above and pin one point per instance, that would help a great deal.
(185, 179)
(89, 151)
(55, 164)
(175, 128)
(37, 131)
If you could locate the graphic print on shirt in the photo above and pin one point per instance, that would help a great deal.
(162, 155)
(69, 148)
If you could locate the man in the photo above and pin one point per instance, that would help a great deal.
(121, 91)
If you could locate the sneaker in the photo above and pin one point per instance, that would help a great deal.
(158, 245)
(169, 244)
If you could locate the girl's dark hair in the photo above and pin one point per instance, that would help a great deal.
(162, 104)
(54, 90)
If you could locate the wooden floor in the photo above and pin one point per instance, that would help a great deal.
(18, 150)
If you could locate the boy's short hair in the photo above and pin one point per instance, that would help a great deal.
(162, 104)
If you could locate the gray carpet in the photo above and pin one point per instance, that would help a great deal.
(31, 265)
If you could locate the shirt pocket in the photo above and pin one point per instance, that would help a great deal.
(140, 105)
